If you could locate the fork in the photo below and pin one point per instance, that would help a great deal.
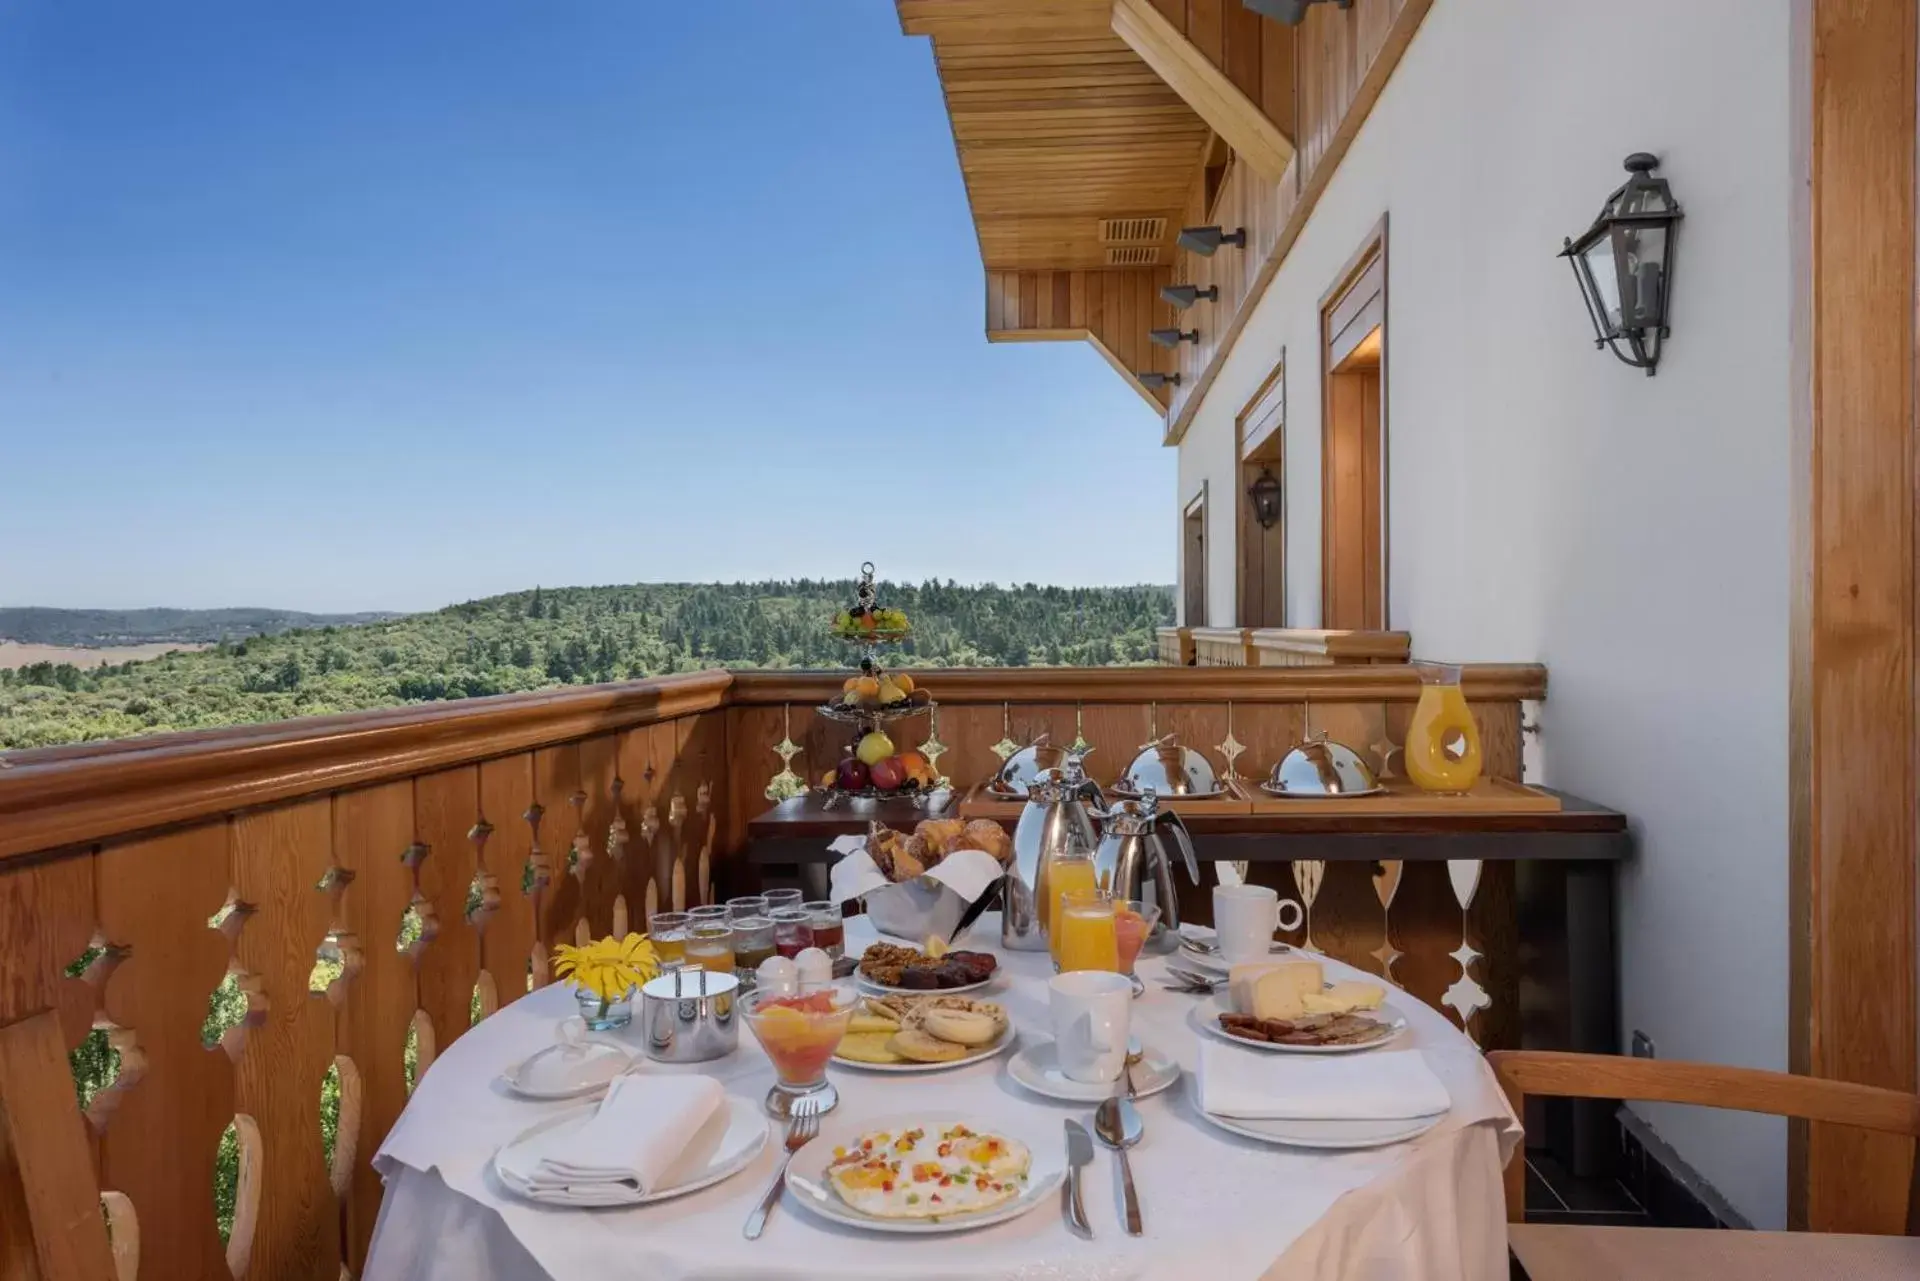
(801, 1130)
(1188, 981)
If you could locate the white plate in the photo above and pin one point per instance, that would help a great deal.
(1271, 790)
(806, 1176)
(596, 1064)
(1036, 1068)
(1205, 1017)
(1320, 1133)
(1212, 960)
(985, 1052)
(726, 1145)
(872, 986)
(1129, 794)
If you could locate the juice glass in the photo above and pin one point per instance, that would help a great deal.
(710, 946)
(1086, 938)
(1443, 743)
(668, 933)
(1065, 873)
(747, 905)
(829, 927)
(792, 930)
(1133, 921)
(752, 944)
(777, 899)
(800, 1034)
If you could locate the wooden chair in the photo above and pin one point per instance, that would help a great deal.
(1573, 1253)
(51, 1224)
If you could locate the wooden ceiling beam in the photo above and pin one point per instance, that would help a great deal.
(1254, 135)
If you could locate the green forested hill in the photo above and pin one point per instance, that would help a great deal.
(575, 635)
(98, 627)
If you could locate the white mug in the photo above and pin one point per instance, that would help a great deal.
(1091, 1009)
(1244, 918)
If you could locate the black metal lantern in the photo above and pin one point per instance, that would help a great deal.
(1624, 265)
(1265, 492)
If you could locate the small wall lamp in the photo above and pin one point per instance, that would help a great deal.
(1205, 241)
(1184, 296)
(1154, 382)
(1623, 264)
(1291, 12)
(1174, 337)
(1265, 492)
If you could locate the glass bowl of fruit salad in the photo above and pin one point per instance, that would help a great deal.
(800, 1031)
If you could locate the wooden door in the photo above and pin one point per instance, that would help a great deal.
(1353, 535)
(1261, 551)
(1193, 550)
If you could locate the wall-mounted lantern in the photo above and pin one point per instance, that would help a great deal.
(1291, 12)
(1265, 492)
(1174, 337)
(1184, 296)
(1624, 265)
(1206, 241)
(1154, 382)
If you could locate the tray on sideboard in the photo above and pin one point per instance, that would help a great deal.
(980, 803)
(1488, 796)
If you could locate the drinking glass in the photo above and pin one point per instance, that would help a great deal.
(752, 944)
(800, 1034)
(711, 912)
(829, 927)
(777, 899)
(1066, 872)
(710, 946)
(668, 933)
(1133, 921)
(792, 930)
(747, 905)
(1086, 936)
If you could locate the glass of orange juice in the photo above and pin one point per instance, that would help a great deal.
(1443, 743)
(710, 946)
(668, 932)
(1068, 872)
(1087, 939)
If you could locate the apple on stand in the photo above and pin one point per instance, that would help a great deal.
(851, 776)
(888, 774)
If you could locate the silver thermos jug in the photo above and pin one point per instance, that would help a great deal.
(1061, 801)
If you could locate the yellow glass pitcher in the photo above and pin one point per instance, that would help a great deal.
(1443, 743)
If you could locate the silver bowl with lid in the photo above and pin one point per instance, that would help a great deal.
(1015, 778)
(1322, 767)
(1169, 769)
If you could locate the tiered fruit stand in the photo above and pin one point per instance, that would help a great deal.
(871, 699)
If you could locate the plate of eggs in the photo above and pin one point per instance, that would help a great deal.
(924, 1173)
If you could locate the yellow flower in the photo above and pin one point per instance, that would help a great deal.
(607, 967)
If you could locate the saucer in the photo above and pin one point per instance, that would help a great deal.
(1036, 1068)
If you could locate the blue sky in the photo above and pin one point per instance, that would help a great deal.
(384, 305)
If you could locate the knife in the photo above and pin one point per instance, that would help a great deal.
(1079, 1153)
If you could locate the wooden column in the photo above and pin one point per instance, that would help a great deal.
(1852, 710)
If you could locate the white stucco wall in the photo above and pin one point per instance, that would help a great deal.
(1548, 503)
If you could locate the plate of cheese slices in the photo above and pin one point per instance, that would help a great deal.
(1287, 1006)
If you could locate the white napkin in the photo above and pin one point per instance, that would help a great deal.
(1371, 1085)
(642, 1127)
(968, 873)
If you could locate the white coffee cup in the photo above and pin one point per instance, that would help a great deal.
(1245, 917)
(1091, 1010)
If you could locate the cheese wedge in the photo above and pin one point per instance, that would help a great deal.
(1344, 998)
(1274, 989)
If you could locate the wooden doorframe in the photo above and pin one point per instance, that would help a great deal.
(1339, 334)
(1195, 506)
(1260, 435)
(1853, 731)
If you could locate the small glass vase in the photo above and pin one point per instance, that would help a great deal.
(604, 1014)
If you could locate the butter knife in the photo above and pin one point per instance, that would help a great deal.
(1079, 1153)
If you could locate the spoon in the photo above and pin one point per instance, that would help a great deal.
(1117, 1122)
(1134, 1055)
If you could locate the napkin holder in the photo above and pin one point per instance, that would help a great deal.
(688, 1015)
(940, 902)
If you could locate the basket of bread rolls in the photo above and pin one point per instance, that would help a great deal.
(938, 878)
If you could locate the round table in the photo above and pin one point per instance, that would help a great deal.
(1215, 1205)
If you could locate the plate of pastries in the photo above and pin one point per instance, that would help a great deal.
(901, 856)
(895, 969)
(923, 1033)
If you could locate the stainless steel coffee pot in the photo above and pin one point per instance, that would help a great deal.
(1135, 856)
(1058, 817)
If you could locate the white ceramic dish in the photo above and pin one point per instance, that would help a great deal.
(1333, 1135)
(980, 1055)
(1284, 794)
(1131, 794)
(724, 1147)
(574, 1067)
(871, 986)
(1038, 1069)
(1205, 1017)
(807, 1183)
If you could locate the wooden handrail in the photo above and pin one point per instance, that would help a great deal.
(1349, 647)
(1383, 683)
(60, 797)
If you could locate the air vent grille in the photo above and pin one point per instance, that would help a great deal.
(1132, 231)
(1133, 255)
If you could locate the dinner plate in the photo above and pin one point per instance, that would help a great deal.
(726, 1145)
(1038, 1069)
(1284, 794)
(980, 1055)
(1205, 1016)
(807, 1174)
(1298, 1133)
(1129, 794)
(872, 985)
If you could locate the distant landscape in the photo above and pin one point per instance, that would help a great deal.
(266, 665)
(13, 654)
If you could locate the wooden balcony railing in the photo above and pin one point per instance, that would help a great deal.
(1278, 647)
(416, 865)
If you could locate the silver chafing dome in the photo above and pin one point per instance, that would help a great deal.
(1170, 770)
(1322, 767)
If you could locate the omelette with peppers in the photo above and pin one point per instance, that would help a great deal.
(929, 1171)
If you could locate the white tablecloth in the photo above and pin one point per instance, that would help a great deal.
(1216, 1206)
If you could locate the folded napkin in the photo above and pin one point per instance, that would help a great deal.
(641, 1129)
(1372, 1085)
